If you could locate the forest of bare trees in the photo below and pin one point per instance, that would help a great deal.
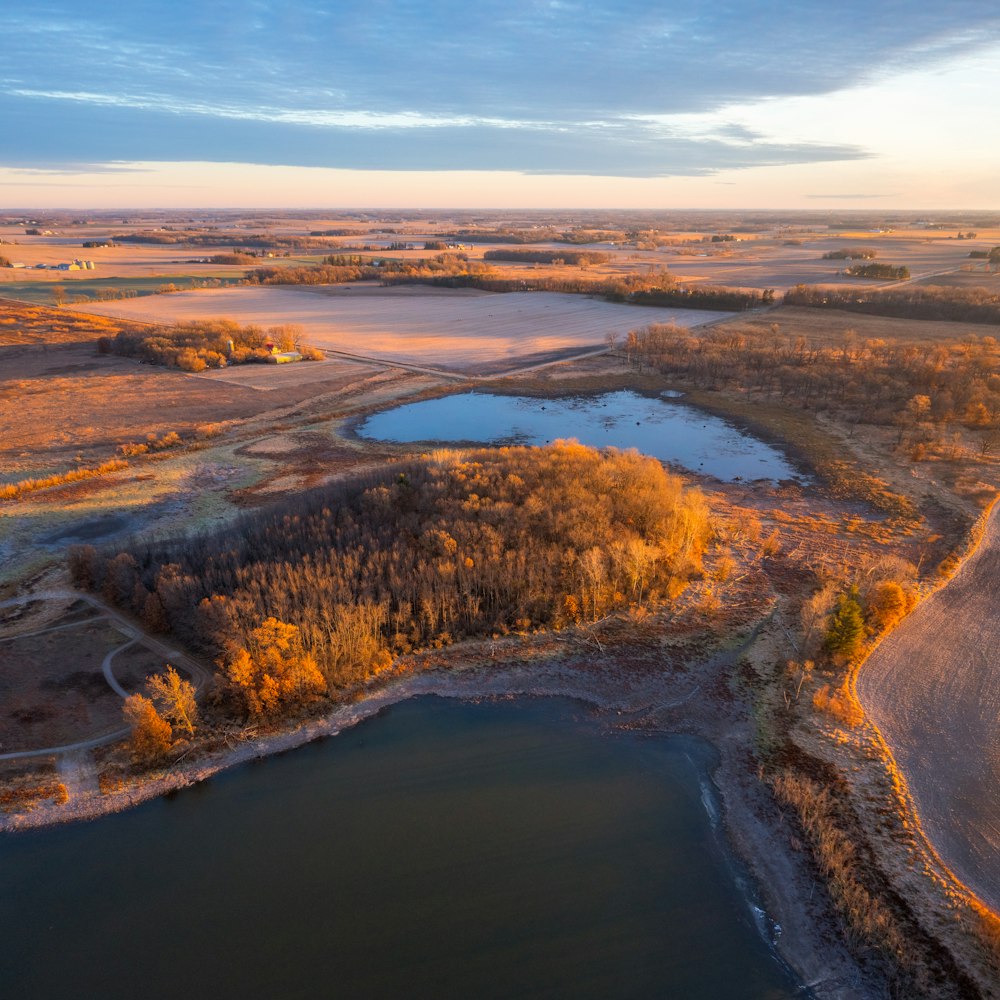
(549, 256)
(929, 391)
(935, 302)
(417, 555)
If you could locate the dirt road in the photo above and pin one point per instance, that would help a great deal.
(199, 675)
(933, 689)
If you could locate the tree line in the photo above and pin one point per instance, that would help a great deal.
(884, 272)
(658, 288)
(203, 239)
(196, 345)
(580, 257)
(934, 302)
(851, 253)
(454, 270)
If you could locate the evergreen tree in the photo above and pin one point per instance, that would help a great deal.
(846, 630)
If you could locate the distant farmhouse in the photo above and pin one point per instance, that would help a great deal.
(76, 265)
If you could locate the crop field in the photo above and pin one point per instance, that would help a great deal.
(122, 261)
(43, 290)
(771, 264)
(462, 330)
(933, 688)
(822, 327)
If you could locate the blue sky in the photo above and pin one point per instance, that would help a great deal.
(517, 102)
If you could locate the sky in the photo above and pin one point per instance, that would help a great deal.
(501, 103)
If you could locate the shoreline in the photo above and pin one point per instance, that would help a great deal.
(779, 883)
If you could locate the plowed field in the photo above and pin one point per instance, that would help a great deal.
(933, 688)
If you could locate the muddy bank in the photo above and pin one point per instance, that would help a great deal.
(656, 702)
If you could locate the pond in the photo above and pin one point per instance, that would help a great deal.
(443, 849)
(663, 427)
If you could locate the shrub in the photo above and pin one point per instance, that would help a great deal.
(152, 735)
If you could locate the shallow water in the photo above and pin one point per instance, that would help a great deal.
(662, 427)
(441, 850)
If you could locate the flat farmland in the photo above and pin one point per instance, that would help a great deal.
(773, 264)
(933, 689)
(821, 327)
(462, 330)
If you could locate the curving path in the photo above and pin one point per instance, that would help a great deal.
(199, 675)
(933, 688)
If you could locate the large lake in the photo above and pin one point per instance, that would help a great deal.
(444, 850)
(665, 428)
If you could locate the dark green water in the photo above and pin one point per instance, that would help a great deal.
(441, 850)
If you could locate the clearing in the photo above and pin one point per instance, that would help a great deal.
(51, 699)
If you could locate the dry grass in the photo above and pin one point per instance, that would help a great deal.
(819, 448)
(867, 917)
(24, 787)
(11, 491)
(22, 324)
(826, 327)
(52, 690)
(68, 406)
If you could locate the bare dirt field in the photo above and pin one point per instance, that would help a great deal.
(975, 276)
(49, 698)
(323, 376)
(463, 331)
(820, 327)
(933, 689)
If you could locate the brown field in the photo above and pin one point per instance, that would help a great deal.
(973, 277)
(933, 689)
(759, 260)
(462, 330)
(770, 264)
(125, 261)
(62, 404)
(22, 324)
(825, 326)
(52, 690)
(71, 401)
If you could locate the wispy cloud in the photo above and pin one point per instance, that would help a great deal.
(630, 88)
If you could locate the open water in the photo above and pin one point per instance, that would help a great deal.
(443, 849)
(662, 427)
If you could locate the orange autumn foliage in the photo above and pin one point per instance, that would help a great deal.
(275, 672)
